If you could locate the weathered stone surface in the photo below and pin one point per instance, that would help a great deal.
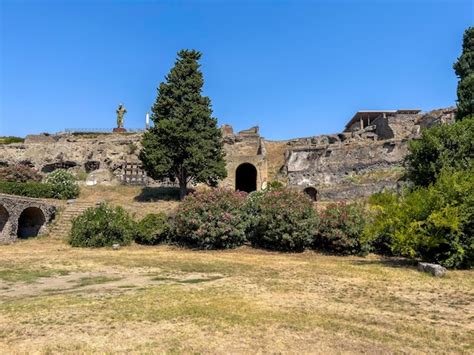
(76, 153)
(101, 177)
(433, 269)
(23, 217)
(328, 163)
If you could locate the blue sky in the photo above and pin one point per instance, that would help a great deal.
(295, 68)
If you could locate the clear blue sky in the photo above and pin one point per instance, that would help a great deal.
(295, 68)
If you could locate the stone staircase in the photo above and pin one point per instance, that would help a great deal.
(63, 222)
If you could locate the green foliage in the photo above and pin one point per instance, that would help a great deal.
(81, 175)
(274, 185)
(11, 139)
(435, 223)
(152, 229)
(340, 229)
(464, 68)
(132, 148)
(443, 146)
(280, 219)
(465, 103)
(28, 189)
(211, 219)
(64, 184)
(185, 143)
(102, 226)
(19, 173)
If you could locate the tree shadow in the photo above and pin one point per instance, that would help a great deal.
(161, 193)
(393, 262)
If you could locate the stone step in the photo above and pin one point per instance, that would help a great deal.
(64, 220)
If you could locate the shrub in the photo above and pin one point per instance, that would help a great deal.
(280, 219)
(28, 189)
(274, 185)
(102, 226)
(11, 139)
(211, 219)
(19, 173)
(340, 229)
(377, 233)
(64, 184)
(434, 223)
(152, 229)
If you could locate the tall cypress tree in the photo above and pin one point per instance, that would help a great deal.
(464, 68)
(185, 143)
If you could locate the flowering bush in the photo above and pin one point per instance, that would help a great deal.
(211, 219)
(340, 229)
(152, 229)
(19, 173)
(64, 184)
(280, 219)
(102, 226)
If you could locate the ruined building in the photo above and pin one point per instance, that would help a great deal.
(366, 157)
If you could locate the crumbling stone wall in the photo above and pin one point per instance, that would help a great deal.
(244, 147)
(74, 152)
(328, 163)
(22, 212)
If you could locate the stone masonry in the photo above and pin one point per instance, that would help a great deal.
(23, 217)
(365, 158)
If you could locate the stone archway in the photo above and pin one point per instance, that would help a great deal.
(246, 177)
(311, 192)
(4, 216)
(31, 221)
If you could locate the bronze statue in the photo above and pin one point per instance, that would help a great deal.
(121, 111)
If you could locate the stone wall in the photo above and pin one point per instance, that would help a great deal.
(330, 163)
(23, 217)
(76, 153)
(246, 147)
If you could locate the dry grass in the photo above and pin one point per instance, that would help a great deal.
(54, 298)
(137, 200)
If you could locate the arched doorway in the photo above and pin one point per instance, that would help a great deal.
(30, 222)
(311, 192)
(246, 177)
(3, 218)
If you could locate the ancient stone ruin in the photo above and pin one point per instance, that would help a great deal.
(366, 157)
(23, 217)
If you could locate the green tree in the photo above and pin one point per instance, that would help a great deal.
(441, 147)
(464, 68)
(185, 143)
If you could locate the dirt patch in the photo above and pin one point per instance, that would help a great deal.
(106, 281)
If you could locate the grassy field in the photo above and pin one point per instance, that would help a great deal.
(54, 298)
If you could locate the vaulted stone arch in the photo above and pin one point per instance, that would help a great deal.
(23, 217)
(246, 177)
(30, 222)
(4, 219)
(311, 192)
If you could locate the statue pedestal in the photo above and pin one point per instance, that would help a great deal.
(119, 130)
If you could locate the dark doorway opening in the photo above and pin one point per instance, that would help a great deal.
(30, 222)
(311, 192)
(3, 217)
(246, 178)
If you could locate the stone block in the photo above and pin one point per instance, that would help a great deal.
(433, 269)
